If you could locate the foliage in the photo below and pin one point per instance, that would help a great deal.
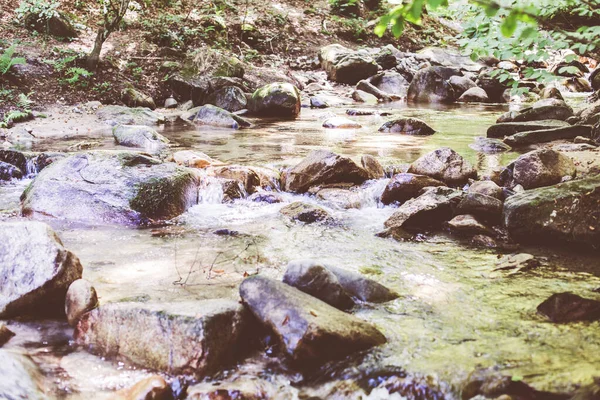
(524, 30)
(23, 111)
(113, 12)
(348, 8)
(41, 9)
(7, 61)
(76, 76)
(66, 67)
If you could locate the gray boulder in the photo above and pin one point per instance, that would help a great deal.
(431, 209)
(115, 115)
(214, 116)
(35, 270)
(466, 224)
(196, 337)
(346, 66)
(481, 205)
(510, 128)
(474, 95)
(310, 331)
(229, 98)
(407, 126)
(405, 186)
(390, 82)
(446, 165)
(139, 136)
(542, 167)
(111, 187)
(569, 307)
(564, 213)
(430, 85)
(492, 86)
(323, 167)
(461, 84)
(134, 98)
(362, 288)
(276, 100)
(304, 212)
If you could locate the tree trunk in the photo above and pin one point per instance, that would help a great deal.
(94, 57)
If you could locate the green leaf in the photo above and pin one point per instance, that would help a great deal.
(509, 25)
(492, 9)
(398, 28)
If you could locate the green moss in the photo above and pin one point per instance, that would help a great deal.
(375, 270)
(163, 198)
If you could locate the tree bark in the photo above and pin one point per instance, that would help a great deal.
(94, 57)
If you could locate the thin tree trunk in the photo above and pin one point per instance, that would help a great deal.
(94, 56)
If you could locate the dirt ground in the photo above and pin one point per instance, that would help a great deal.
(271, 35)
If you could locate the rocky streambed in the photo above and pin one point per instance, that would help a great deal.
(437, 255)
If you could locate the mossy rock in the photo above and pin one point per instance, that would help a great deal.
(276, 100)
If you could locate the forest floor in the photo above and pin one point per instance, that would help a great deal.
(267, 35)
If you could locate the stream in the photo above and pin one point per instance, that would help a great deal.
(457, 312)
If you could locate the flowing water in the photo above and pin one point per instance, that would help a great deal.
(457, 312)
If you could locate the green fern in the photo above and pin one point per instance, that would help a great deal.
(7, 60)
(24, 102)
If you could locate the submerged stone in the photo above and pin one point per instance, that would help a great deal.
(569, 307)
(407, 126)
(115, 115)
(214, 116)
(510, 128)
(304, 212)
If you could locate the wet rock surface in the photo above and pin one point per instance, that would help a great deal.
(445, 165)
(111, 188)
(542, 168)
(139, 136)
(323, 167)
(541, 110)
(304, 212)
(405, 186)
(346, 66)
(276, 100)
(21, 379)
(557, 214)
(430, 209)
(430, 85)
(548, 135)
(569, 307)
(309, 330)
(510, 128)
(81, 297)
(115, 115)
(35, 270)
(196, 337)
(214, 116)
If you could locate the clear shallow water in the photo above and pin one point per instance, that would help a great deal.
(456, 313)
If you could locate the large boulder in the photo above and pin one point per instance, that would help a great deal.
(195, 337)
(430, 85)
(310, 331)
(214, 116)
(230, 98)
(276, 100)
(35, 270)
(134, 98)
(115, 115)
(542, 167)
(490, 82)
(199, 89)
(405, 186)
(346, 66)
(111, 187)
(481, 205)
(390, 82)
(140, 136)
(510, 128)
(563, 213)
(446, 165)
(407, 126)
(540, 110)
(50, 22)
(323, 167)
(431, 209)
(461, 84)
(449, 58)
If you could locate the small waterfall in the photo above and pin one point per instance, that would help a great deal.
(371, 192)
(211, 191)
(31, 167)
